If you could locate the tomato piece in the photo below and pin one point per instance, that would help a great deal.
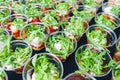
(19, 70)
(117, 57)
(35, 20)
(41, 46)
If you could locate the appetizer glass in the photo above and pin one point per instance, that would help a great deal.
(64, 9)
(43, 66)
(77, 76)
(61, 43)
(109, 20)
(116, 56)
(46, 5)
(17, 7)
(111, 8)
(33, 12)
(14, 24)
(116, 72)
(51, 20)
(76, 26)
(3, 75)
(35, 34)
(93, 3)
(4, 34)
(94, 60)
(85, 12)
(100, 35)
(4, 12)
(15, 54)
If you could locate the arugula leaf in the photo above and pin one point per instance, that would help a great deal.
(44, 68)
(90, 61)
(66, 45)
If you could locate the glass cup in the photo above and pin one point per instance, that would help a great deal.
(88, 56)
(14, 24)
(3, 75)
(109, 20)
(18, 52)
(116, 56)
(116, 71)
(100, 35)
(35, 34)
(111, 8)
(61, 43)
(76, 26)
(28, 71)
(51, 20)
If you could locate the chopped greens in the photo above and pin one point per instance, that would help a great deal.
(34, 32)
(93, 62)
(4, 12)
(46, 3)
(117, 72)
(116, 10)
(33, 11)
(18, 23)
(84, 14)
(2, 75)
(76, 26)
(44, 68)
(60, 45)
(97, 37)
(50, 18)
(101, 19)
(13, 58)
(63, 6)
(94, 3)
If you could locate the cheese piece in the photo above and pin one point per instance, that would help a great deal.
(58, 46)
(35, 42)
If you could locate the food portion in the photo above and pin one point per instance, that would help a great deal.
(35, 35)
(75, 26)
(96, 62)
(3, 75)
(43, 66)
(107, 20)
(60, 44)
(116, 72)
(116, 56)
(14, 55)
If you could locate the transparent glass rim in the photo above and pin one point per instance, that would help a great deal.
(106, 29)
(59, 32)
(90, 76)
(118, 63)
(6, 76)
(18, 41)
(49, 54)
(22, 15)
(110, 14)
(99, 48)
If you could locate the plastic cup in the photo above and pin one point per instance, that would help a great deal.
(14, 24)
(116, 56)
(111, 8)
(29, 69)
(76, 26)
(3, 75)
(115, 71)
(109, 20)
(61, 43)
(105, 71)
(100, 35)
(35, 34)
(18, 60)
